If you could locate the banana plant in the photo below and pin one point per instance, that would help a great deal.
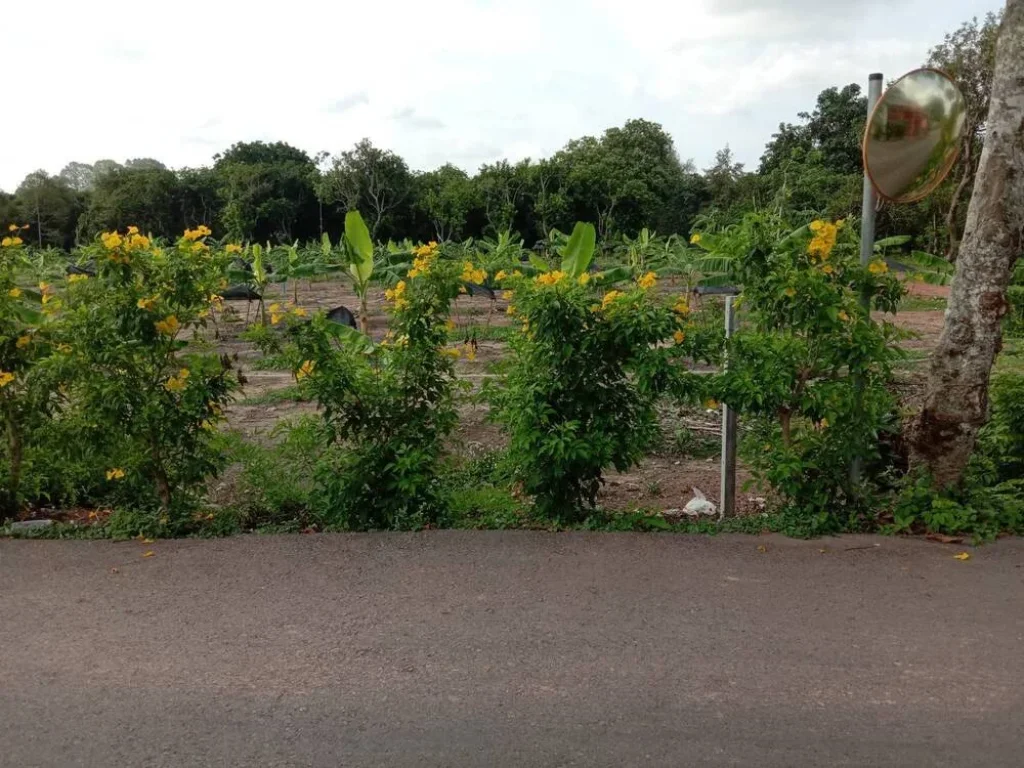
(920, 265)
(359, 249)
(293, 270)
(255, 276)
(577, 253)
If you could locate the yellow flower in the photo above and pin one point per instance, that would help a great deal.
(168, 326)
(133, 230)
(550, 278)
(233, 248)
(6, 242)
(199, 247)
(679, 337)
(147, 304)
(396, 293)
(682, 306)
(16, 241)
(23, 341)
(115, 474)
(695, 238)
(511, 309)
(647, 281)
(828, 269)
(824, 239)
(5, 378)
(299, 312)
(275, 313)
(501, 275)
(471, 274)
(790, 292)
(77, 278)
(305, 370)
(469, 352)
(194, 234)
(111, 240)
(584, 278)
(610, 297)
(843, 316)
(14, 293)
(137, 241)
(12, 227)
(878, 267)
(177, 383)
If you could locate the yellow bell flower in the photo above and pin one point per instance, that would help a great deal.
(5, 378)
(647, 281)
(168, 326)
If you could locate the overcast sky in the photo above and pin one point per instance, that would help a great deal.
(466, 81)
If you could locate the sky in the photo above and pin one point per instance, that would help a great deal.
(461, 81)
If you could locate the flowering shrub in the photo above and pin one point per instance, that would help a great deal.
(126, 327)
(390, 406)
(32, 360)
(809, 366)
(587, 369)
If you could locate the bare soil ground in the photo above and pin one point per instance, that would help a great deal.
(661, 481)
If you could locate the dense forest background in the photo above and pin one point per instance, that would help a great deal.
(628, 178)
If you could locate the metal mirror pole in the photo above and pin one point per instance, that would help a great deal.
(868, 199)
(867, 225)
(727, 498)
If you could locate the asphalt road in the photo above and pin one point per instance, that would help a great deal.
(511, 649)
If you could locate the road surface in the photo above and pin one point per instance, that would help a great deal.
(511, 649)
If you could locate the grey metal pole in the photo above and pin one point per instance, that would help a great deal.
(727, 498)
(867, 231)
(868, 199)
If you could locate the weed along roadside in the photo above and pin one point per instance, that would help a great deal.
(562, 389)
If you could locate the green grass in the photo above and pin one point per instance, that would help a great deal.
(922, 303)
(293, 393)
(482, 332)
(270, 363)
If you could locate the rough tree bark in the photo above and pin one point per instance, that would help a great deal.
(956, 405)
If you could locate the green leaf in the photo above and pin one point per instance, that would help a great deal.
(614, 275)
(539, 263)
(579, 251)
(350, 336)
(258, 270)
(361, 247)
(891, 242)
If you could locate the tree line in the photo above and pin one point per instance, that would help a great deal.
(628, 178)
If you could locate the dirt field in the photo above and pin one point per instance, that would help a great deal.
(664, 480)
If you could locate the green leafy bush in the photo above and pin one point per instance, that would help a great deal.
(809, 366)
(390, 406)
(33, 366)
(587, 369)
(157, 404)
(990, 500)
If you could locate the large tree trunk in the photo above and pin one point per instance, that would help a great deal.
(956, 406)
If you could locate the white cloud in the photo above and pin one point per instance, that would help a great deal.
(462, 80)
